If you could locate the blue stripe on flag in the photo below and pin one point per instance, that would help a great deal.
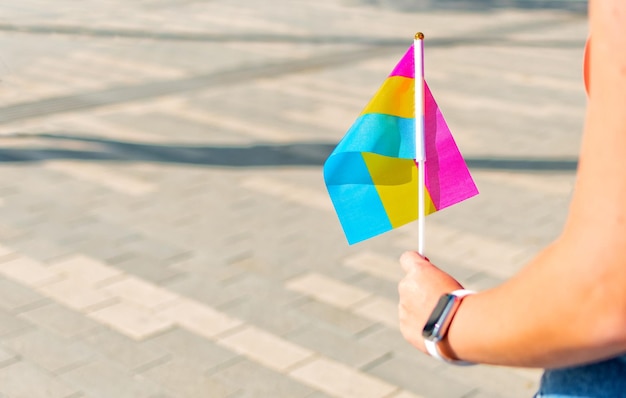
(380, 134)
(355, 197)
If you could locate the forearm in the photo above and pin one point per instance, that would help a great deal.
(560, 310)
(568, 306)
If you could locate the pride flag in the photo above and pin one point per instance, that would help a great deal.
(372, 177)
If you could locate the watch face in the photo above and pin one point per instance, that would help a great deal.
(432, 329)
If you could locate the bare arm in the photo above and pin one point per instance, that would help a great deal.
(568, 306)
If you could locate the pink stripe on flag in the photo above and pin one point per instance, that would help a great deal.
(448, 180)
(406, 66)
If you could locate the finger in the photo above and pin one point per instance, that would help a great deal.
(409, 260)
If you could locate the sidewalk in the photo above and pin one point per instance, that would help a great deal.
(165, 231)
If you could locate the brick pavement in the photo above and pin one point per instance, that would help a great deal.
(164, 227)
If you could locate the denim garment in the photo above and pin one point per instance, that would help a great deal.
(605, 379)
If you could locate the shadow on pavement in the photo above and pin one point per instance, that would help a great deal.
(475, 39)
(579, 6)
(259, 155)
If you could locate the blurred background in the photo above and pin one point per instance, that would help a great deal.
(165, 231)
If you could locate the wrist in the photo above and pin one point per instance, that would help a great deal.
(449, 345)
(446, 350)
(436, 329)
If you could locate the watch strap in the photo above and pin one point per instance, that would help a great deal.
(433, 349)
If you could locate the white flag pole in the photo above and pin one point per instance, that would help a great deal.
(420, 153)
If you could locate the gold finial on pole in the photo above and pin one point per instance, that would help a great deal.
(419, 36)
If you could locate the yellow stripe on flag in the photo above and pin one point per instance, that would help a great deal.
(395, 97)
(396, 182)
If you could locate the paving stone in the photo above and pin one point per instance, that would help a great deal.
(483, 394)
(38, 249)
(19, 223)
(126, 351)
(160, 395)
(139, 292)
(198, 318)
(23, 379)
(132, 320)
(147, 268)
(327, 290)
(66, 235)
(6, 252)
(379, 309)
(340, 347)
(206, 265)
(265, 304)
(192, 360)
(107, 177)
(409, 375)
(191, 350)
(392, 340)
(103, 379)
(48, 351)
(102, 249)
(26, 271)
(64, 322)
(383, 288)
(96, 228)
(255, 381)
(10, 232)
(11, 324)
(340, 380)
(161, 251)
(375, 264)
(205, 290)
(317, 394)
(7, 357)
(279, 319)
(495, 380)
(270, 350)
(84, 270)
(159, 123)
(482, 281)
(266, 287)
(14, 297)
(277, 271)
(75, 295)
(346, 321)
(186, 381)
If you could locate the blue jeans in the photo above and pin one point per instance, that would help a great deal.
(605, 379)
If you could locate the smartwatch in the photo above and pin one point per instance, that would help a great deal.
(439, 321)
